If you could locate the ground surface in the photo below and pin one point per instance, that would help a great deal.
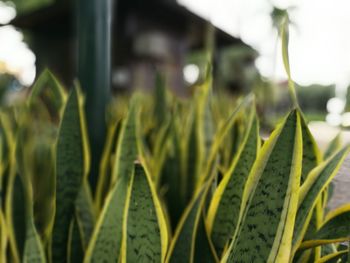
(323, 134)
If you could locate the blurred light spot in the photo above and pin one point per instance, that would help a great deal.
(121, 77)
(346, 119)
(335, 105)
(7, 12)
(15, 56)
(334, 119)
(191, 73)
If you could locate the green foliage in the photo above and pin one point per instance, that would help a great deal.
(181, 180)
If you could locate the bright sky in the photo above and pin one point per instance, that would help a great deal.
(319, 41)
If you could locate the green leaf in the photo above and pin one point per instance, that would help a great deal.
(35, 164)
(222, 132)
(75, 252)
(270, 198)
(200, 138)
(172, 176)
(285, 55)
(316, 182)
(13, 193)
(132, 224)
(311, 158)
(85, 214)
(160, 99)
(3, 237)
(335, 227)
(48, 92)
(126, 152)
(146, 238)
(333, 146)
(183, 246)
(204, 250)
(33, 249)
(16, 216)
(311, 153)
(226, 202)
(333, 258)
(104, 179)
(70, 172)
(106, 241)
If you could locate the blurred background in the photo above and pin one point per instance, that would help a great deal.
(171, 36)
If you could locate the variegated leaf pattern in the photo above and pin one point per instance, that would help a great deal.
(270, 199)
(69, 174)
(226, 202)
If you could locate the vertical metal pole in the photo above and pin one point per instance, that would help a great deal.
(94, 70)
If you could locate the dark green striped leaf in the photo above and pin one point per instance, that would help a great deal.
(146, 233)
(311, 153)
(311, 158)
(131, 227)
(85, 216)
(271, 195)
(105, 172)
(226, 202)
(126, 152)
(70, 171)
(106, 241)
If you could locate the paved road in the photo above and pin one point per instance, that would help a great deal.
(323, 134)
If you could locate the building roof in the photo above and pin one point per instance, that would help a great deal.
(59, 17)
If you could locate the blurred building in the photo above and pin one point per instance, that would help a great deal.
(147, 35)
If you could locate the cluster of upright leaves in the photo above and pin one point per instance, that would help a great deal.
(181, 180)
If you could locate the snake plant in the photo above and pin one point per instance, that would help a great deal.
(181, 180)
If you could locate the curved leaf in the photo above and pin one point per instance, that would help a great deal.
(317, 181)
(336, 228)
(332, 258)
